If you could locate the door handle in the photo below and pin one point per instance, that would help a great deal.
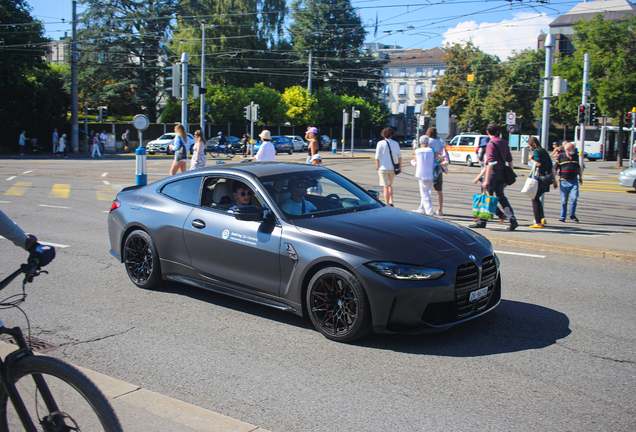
(198, 224)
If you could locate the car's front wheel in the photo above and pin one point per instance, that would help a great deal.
(142, 260)
(469, 161)
(338, 306)
(291, 150)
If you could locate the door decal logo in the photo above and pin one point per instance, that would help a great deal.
(225, 234)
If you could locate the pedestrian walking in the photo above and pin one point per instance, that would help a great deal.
(61, 147)
(178, 146)
(102, 141)
(22, 142)
(198, 153)
(497, 155)
(91, 138)
(436, 144)
(96, 147)
(313, 148)
(541, 159)
(569, 169)
(266, 152)
(125, 137)
(388, 162)
(424, 162)
(246, 144)
(55, 140)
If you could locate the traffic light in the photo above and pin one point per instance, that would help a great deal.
(581, 117)
(248, 112)
(592, 114)
(256, 112)
(629, 118)
(102, 113)
(174, 80)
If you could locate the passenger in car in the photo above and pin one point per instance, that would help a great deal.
(242, 195)
(297, 204)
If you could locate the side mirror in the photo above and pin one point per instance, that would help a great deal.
(374, 193)
(250, 213)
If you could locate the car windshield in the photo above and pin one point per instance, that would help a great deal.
(307, 194)
(166, 136)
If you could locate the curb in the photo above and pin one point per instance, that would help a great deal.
(561, 248)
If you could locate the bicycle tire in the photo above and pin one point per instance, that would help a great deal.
(80, 403)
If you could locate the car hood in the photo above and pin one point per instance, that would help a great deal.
(396, 235)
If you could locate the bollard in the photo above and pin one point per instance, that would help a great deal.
(334, 146)
(141, 166)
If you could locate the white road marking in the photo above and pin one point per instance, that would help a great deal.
(106, 182)
(104, 175)
(26, 172)
(11, 178)
(520, 254)
(57, 245)
(5, 202)
(52, 206)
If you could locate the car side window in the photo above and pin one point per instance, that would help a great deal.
(218, 194)
(185, 190)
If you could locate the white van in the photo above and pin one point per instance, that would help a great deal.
(463, 148)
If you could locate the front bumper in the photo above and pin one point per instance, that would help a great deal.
(400, 306)
(627, 180)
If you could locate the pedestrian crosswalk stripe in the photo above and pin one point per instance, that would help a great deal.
(18, 189)
(60, 190)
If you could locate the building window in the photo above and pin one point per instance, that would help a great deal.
(441, 72)
(435, 72)
(386, 89)
(418, 89)
(402, 72)
(419, 72)
(387, 72)
(433, 87)
(418, 108)
(402, 90)
(401, 108)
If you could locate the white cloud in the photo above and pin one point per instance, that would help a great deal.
(503, 37)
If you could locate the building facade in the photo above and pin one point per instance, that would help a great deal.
(410, 76)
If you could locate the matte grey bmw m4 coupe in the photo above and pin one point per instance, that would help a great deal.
(305, 239)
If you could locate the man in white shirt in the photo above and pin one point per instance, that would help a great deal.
(267, 151)
(56, 139)
(102, 141)
(297, 204)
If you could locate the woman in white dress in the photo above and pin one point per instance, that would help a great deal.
(198, 154)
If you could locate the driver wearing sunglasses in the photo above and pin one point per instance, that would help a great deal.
(242, 195)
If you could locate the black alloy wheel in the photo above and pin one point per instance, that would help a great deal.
(338, 306)
(141, 260)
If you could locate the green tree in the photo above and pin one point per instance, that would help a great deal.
(329, 107)
(226, 104)
(612, 48)
(122, 42)
(332, 32)
(33, 97)
(272, 106)
(524, 70)
(171, 112)
(301, 107)
(243, 40)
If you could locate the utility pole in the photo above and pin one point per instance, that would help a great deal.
(184, 91)
(74, 92)
(309, 79)
(353, 122)
(547, 87)
(345, 121)
(202, 90)
(584, 94)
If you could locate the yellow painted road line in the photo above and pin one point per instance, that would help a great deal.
(106, 194)
(18, 189)
(605, 190)
(60, 190)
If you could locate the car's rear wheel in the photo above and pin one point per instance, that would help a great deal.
(291, 150)
(141, 260)
(469, 161)
(338, 306)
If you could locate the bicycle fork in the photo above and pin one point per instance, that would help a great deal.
(7, 379)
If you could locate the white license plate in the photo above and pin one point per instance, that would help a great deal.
(480, 293)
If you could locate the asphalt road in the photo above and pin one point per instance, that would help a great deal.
(557, 354)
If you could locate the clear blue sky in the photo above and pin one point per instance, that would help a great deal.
(496, 26)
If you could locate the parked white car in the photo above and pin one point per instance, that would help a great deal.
(298, 142)
(160, 145)
(627, 178)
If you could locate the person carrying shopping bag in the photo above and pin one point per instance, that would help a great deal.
(545, 173)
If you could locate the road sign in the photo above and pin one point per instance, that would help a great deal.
(588, 86)
(141, 122)
(511, 118)
(511, 128)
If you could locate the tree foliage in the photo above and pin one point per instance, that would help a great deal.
(122, 45)
(332, 32)
(301, 107)
(33, 97)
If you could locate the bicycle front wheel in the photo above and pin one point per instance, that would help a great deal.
(57, 397)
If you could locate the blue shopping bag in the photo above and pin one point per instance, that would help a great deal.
(484, 206)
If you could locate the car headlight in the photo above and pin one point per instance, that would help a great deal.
(405, 271)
